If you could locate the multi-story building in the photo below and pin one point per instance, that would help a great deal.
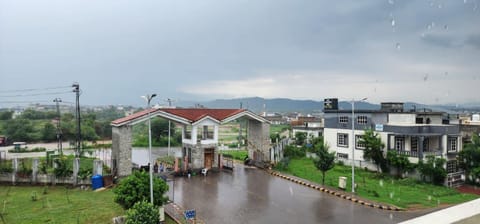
(413, 133)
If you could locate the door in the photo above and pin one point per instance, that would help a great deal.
(208, 160)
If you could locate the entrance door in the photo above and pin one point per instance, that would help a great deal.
(208, 162)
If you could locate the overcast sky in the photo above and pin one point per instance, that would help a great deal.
(422, 51)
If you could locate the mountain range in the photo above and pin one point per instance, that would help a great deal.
(283, 105)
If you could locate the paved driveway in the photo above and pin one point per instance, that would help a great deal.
(250, 195)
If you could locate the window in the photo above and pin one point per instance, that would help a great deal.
(399, 143)
(189, 155)
(362, 119)
(343, 119)
(187, 132)
(452, 144)
(358, 143)
(342, 155)
(342, 140)
(451, 166)
(414, 144)
(206, 133)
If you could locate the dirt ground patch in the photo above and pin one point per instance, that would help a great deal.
(469, 189)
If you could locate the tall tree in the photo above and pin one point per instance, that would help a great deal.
(374, 149)
(325, 160)
(49, 132)
(19, 130)
(469, 158)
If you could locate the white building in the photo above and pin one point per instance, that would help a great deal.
(413, 133)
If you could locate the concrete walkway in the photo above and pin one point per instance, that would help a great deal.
(465, 211)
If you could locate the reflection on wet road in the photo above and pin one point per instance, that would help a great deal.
(250, 195)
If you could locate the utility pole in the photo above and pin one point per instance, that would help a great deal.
(59, 129)
(169, 125)
(78, 143)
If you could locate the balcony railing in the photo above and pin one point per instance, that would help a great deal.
(432, 153)
(416, 154)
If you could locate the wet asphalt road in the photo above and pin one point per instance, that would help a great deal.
(250, 195)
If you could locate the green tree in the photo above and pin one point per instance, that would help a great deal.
(136, 188)
(374, 149)
(6, 115)
(325, 160)
(49, 132)
(19, 130)
(469, 158)
(300, 138)
(399, 161)
(142, 213)
(160, 129)
(432, 169)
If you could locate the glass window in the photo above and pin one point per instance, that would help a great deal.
(342, 140)
(452, 144)
(358, 143)
(399, 143)
(362, 119)
(343, 119)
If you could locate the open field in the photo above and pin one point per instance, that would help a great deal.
(404, 193)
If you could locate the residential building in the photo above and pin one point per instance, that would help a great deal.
(416, 134)
(313, 126)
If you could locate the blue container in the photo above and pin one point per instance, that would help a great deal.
(97, 182)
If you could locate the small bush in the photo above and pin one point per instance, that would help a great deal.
(141, 213)
(136, 188)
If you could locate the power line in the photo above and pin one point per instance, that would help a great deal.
(39, 89)
(35, 94)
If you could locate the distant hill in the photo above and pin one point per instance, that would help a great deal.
(282, 105)
(258, 104)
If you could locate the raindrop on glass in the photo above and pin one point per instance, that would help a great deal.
(397, 46)
(391, 2)
(440, 6)
(429, 197)
(445, 27)
(381, 183)
(391, 216)
(393, 22)
(391, 194)
(425, 78)
(429, 27)
(464, 1)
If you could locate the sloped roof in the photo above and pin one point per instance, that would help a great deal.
(134, 116)
(190, 114)
(195, 114)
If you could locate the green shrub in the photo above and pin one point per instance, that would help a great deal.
(294, 152)
(142, 212)
(283, 164)
(62, 170)
(136, 188)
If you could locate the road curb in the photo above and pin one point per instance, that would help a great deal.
(334, 193)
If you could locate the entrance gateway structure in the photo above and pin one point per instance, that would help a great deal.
(199, 135)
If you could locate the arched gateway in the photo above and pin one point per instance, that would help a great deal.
(199, 135)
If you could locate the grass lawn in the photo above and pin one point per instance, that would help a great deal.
(55, 207)
(277, 128)
(404, 193)
(84, 206)
(236, 154)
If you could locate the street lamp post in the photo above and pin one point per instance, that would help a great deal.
(353, 143)
(148, 98)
